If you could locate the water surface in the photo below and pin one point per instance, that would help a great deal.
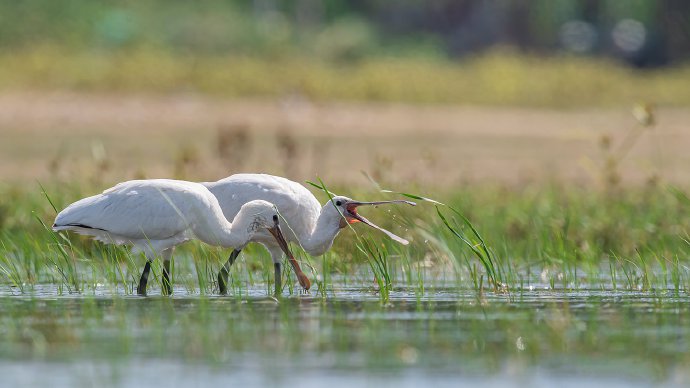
(445, 337)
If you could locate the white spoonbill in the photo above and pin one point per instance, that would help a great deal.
(158, 214)
(312, 226)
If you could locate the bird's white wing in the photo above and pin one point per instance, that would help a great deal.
(296, 204)
(152, 209)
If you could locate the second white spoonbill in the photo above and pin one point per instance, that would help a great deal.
(312, 226)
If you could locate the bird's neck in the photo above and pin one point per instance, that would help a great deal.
(325, 231)
(218, 231)
(234, 235)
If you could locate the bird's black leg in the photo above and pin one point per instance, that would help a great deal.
(223, 274)
(141, 289)
(279, 279)
(167, 285)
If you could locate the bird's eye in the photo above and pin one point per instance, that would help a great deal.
(338, 203)
(275, 217)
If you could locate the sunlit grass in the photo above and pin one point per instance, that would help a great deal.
(495, 78)
(557, 236)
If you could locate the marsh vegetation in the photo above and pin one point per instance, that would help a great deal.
(534, 284)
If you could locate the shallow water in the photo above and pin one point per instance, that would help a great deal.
(445, 337)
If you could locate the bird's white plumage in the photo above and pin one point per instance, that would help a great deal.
(154, 215)
(312, 226)
(297, 205)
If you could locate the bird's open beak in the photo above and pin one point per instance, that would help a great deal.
(278, 234)
(352, 216)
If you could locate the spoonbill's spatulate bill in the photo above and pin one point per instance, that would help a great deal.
(156, 215)
(311, 225)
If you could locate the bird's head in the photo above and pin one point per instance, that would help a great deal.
(264, 215)
(346, 209)
(259, 215)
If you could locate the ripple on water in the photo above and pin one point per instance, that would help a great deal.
(444, 336)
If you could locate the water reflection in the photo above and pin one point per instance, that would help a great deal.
(446, 337)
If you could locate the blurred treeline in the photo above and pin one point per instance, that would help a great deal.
(641, 32)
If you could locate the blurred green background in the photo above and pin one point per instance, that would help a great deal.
(539, 53)
(642, 32)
